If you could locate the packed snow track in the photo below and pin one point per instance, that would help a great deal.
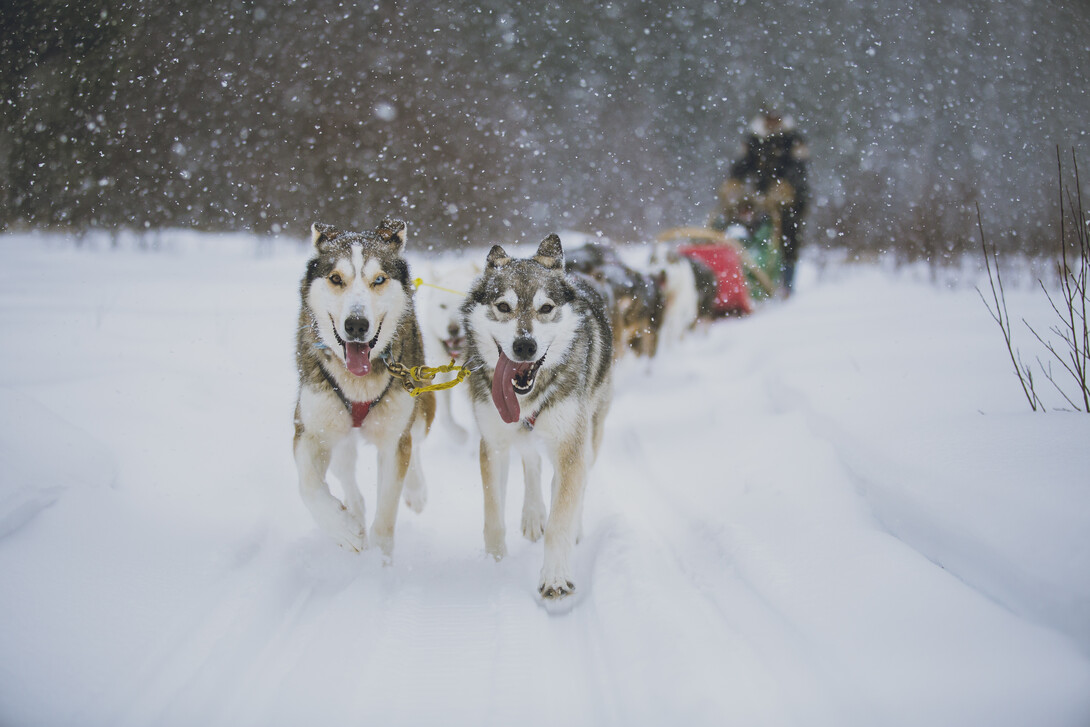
(834, 512)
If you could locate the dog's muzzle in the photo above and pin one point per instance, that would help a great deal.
(510, 379)
(454, 346)
(357, 353)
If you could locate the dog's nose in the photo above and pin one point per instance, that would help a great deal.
(524, 348)
(356, 327)
(454, 329)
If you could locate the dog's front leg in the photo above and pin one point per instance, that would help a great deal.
(343, 467)
(312, 457)
(563, 526)
(416, 489)
(495, 463)
(392, 466)
(533, 504)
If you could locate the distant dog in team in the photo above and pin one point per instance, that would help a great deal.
(676, 278)
(540, 344)
(637, 300)
(440, 306)
(357, 316)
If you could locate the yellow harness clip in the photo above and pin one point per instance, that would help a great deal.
(409, 376)
(427, 373)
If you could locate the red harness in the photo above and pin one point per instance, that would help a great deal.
(359, 411)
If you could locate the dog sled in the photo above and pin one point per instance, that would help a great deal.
(735, 269)
(742, 246)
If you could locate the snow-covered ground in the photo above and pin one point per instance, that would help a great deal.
(839, 511)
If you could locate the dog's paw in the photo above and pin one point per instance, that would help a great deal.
(415, 498)
(496, 546)
(347, 529)
(352, 537)
(533, 523)
(554, 590)
(385, 543)
(556, 582)
(358, 513)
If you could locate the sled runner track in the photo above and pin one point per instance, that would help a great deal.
(409, 645)
(196, 667)
(790, 558)
(428, 650)
(483, 661)
(755, 648)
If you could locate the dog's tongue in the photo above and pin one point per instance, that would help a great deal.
(357, 357)
(503, 390)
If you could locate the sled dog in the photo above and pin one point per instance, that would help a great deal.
(440, 306)
(638, 301)
(356, 315)
(681, 301)
(540, 344)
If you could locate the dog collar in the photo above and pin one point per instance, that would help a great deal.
(530, 421)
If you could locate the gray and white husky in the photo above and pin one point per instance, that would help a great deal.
(357, 314)
(541, 346)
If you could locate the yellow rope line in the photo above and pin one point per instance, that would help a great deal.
(420, 281)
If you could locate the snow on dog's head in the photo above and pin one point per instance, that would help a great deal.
(519, 315)
(357, 289)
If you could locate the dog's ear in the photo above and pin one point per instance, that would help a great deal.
(394, 232)
(320, 233)
(550, 254)
(497, 258)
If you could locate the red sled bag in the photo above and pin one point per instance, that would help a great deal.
(724, 260)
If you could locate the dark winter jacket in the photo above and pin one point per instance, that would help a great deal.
(772, 156)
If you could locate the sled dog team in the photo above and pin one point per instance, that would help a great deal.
(538, 342)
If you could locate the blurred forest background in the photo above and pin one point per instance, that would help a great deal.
(484, 121)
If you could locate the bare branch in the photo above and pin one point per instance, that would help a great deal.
(1047, 370)
(1051, 349)
(1068, 304)
(1001, 316)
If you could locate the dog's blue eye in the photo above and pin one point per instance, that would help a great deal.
(503, 307)
(379, 281)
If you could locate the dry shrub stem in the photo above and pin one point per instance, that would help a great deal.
(1000, 316)
(1072, 329)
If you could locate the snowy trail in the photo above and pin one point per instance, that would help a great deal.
(815, 580)
(779, 530)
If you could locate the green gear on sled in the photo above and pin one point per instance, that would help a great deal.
(765, 252)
